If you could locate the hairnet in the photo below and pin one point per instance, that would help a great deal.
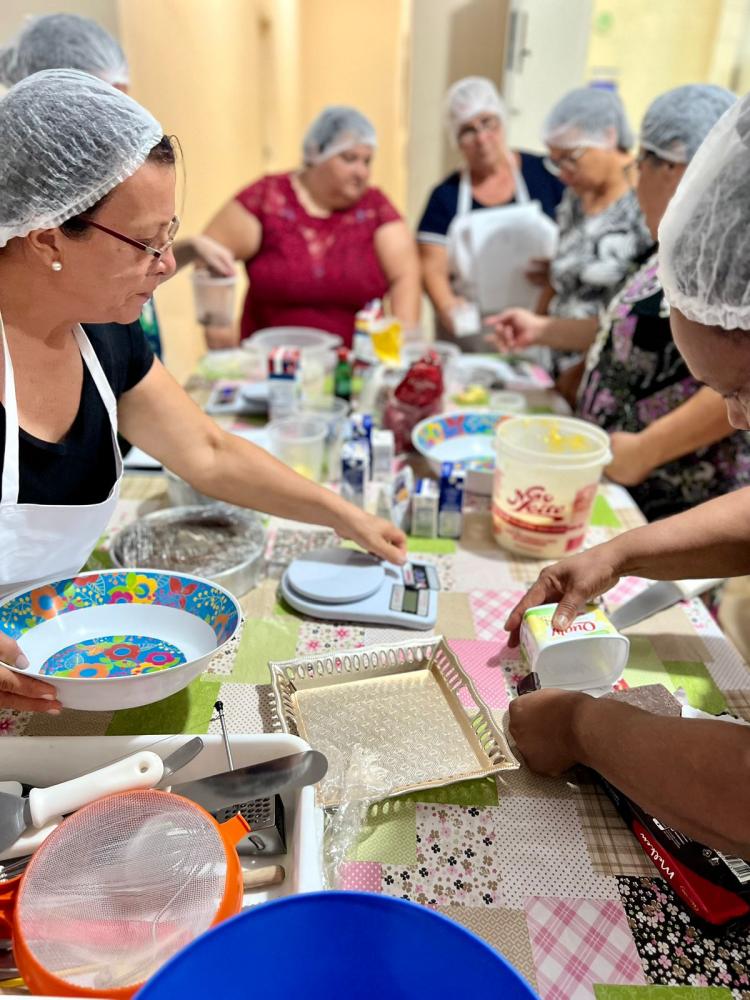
(704, 237)
(67, 139)
(335, 130)
(677, 122)
(474, 95)
(63, 41)
(588, 116)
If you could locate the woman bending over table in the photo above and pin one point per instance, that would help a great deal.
(672, 443)
(319, 243)
(692, 774)
(87, 222)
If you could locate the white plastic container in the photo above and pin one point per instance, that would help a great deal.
(547, 470)
(317, 348)
(42, 761)
(588, 656)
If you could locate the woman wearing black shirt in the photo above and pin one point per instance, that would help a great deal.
(87, 221)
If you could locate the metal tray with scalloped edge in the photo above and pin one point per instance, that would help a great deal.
(409, 704)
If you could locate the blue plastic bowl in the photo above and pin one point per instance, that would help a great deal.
(337, 944)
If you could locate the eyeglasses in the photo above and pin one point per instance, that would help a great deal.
(648, 154)
(567, 162)
(157, 252)
(470, 133)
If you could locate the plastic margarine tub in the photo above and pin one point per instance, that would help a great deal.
(590, 655)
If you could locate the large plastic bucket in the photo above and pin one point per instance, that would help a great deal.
(328, 945)
(547, 470)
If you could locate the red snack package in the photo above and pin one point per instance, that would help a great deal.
(422, 386)
(418, 395)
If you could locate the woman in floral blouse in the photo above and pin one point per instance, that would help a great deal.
(672, 443)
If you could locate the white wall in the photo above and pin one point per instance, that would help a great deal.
(13, 12)
(449, 39)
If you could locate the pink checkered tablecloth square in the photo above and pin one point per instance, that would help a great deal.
(482, 661)
(490, 608)
(579, 942)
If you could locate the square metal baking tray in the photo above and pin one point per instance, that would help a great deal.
(410, 704)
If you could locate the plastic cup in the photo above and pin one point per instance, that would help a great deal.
(299, 442)
(335, 412)
(317, 352)
(547, 470)
(214, 298)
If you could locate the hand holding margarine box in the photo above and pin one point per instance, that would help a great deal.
(590, 655)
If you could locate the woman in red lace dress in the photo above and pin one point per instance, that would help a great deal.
(319, 243)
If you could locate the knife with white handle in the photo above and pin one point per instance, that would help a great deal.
(658, 597)
(141, 770)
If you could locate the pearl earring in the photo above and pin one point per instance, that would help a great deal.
(56, 265)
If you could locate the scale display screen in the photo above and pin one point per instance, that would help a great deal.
(411, 601)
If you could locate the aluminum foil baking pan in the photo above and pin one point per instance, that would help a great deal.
(219, 542)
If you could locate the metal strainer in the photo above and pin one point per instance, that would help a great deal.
(119, 888)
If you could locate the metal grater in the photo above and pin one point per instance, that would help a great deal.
(266, 819)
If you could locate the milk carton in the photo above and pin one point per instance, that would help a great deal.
(450, 510)
(424, 509)
(284, 381)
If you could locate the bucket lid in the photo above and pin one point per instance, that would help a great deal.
(553, 441)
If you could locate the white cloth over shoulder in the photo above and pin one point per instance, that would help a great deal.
(490, 249)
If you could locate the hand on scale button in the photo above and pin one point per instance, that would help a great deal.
(344, 584)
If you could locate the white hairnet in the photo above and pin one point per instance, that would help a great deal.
(588, 116)
(67, 140)
(474, 95)
(704, 237)
(336, 129)
(677, 122)
(63, 41)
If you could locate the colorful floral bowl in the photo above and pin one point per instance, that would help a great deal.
(467, 438)
(120, 638)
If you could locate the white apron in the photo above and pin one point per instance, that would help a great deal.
(40, 542)
(489, 250)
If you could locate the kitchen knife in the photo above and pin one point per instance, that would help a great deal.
(658, 597)
(256, 781)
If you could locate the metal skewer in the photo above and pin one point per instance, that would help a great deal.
(219, 706)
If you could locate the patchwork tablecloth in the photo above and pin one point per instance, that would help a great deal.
(543, 869)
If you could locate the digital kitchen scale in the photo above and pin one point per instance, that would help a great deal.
(347, 585)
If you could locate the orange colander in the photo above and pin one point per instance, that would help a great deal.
(119, 888)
